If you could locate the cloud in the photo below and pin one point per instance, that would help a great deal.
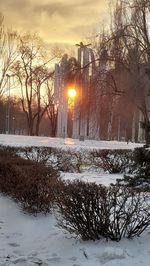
(50, 9)
(55, 20)
(65, 8)
(14, 4)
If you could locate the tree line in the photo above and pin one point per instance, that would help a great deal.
(26, 71)
(117, 98)
(121, 91)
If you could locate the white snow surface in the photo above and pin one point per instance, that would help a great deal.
(29, 241)
(26, 240)
(19, 140)
(96, 177)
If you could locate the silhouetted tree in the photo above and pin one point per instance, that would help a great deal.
(32, 72)
(129, 49)
(8, 47)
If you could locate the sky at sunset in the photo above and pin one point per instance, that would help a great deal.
(56, 21)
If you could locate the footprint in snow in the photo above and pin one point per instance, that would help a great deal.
(37, 261)
(7, 236)
(14, 245)
(73, 258)
(110, 253)
(19, 260)
(53, 234)
(54, 259)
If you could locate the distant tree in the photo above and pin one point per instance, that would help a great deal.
(8, 47)
(2, 114)
(41, 76)
(17, 122)
(129, 48)
(32, 71)
(52, 110)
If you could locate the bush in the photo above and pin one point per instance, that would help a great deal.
(112, 161)
(129, 212)
(29, 182)
(83, 209)
(93, 211)
(62, 160)
(38, 154)
(69, 161)
(8, 151)
(140, 170)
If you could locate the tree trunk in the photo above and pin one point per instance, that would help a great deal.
(147, 136)
(37, 127)
(30, 128)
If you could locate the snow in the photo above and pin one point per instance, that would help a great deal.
(98, 178)
(19, 140)
(26, 240)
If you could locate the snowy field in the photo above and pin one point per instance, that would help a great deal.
(29, 241)
(18, 140)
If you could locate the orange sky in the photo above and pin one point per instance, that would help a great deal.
(56, 21)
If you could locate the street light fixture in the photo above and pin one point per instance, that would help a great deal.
(8, 107)
(13, 125)
(71, 93)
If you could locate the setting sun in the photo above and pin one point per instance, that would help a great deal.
(71, 93)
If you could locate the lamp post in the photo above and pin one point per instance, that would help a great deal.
(8, 106)
(13, 125)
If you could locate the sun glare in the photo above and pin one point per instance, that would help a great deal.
(71, 93)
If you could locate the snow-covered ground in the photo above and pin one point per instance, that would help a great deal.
(29, 241)
(18, 140)
(98, 178)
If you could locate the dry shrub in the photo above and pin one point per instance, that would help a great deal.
(69, 161)
(62, 160)
(38, 154)
(112, 161)
(83, 209)
(93, 211)
(29, 182)
(129, 212)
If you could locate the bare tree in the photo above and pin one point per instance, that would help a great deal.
(52, 110)
(128, 46)
(41, 76)
(32, 72)
(8, 47)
